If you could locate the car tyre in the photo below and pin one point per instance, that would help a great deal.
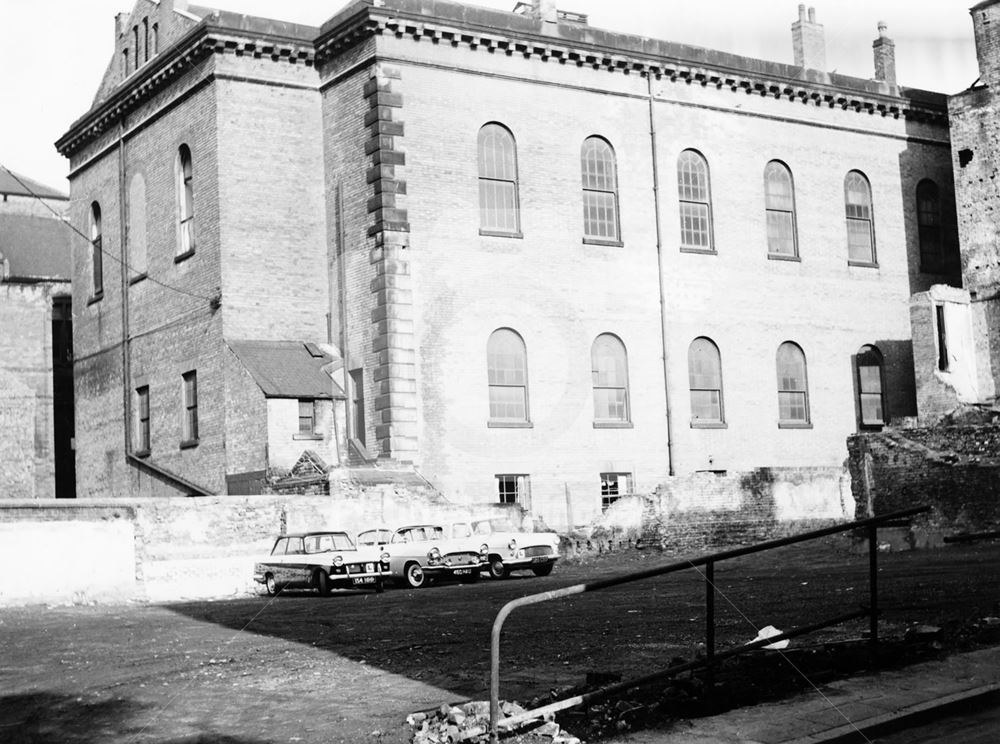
(323, 583)
(497, 569)
(415, 576)
(543, 570)
(270, 584)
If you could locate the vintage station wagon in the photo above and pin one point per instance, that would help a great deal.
(323, 561)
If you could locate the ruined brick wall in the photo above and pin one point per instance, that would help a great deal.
(953, 469)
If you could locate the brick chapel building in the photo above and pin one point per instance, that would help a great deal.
(533, 260)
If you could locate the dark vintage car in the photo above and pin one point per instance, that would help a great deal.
(322, 561)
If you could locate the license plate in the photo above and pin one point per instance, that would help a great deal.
(363, 580)
(539, 559)
(462, 571)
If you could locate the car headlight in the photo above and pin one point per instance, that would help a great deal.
(338, 560)
(512, 544)
(484, 549)
(385, 557)
(434, 555)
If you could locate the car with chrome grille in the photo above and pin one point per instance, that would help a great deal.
(511, 549)
(322, 560)
(421, 553)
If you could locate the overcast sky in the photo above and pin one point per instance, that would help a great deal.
(53, 54)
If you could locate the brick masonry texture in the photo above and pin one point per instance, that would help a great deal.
(953, 469)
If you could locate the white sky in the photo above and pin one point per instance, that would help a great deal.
(53, 54)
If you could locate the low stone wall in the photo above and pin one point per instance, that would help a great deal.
(953, 469)
(181, 548)
(715, 510)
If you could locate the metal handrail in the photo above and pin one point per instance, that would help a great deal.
(709, 561)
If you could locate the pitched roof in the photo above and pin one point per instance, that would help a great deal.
(36, 247)
(18, 185)
(288, 369)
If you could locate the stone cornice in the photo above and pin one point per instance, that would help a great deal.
(202, 41)
(718, 70)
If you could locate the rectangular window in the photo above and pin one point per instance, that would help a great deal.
(942, 338)
(190, 428)
(307, 416)
(358, 405)
(870, 390)
(613, 487)
(142, 439)
(514, 489)
(694, 226)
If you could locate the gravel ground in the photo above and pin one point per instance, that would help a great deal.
(349, 668)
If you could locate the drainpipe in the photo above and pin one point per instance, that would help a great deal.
(123, 236)
(342, 303)
(660, 274)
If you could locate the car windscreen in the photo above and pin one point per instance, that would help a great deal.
(326, 542)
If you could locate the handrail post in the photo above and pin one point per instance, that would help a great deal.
(709, 633)
(873, 594)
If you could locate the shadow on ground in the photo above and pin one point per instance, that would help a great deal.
(48, 718)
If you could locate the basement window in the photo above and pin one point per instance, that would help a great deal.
(613, 487)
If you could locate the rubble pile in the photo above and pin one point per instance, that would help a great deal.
(470, 722)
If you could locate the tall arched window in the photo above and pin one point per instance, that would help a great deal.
(793, 387)
(609, 370)
(929, 227)
(779, 202)
(498, 201)
(705, 379)
(96, 251)
(137, 226)
(507, 363)
(871, 402)
(695, 201)
(185, 203)
(860, 225)
(600, 190)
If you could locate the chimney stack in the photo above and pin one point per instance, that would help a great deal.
(808, 43)
(986, 27)
(885, 56)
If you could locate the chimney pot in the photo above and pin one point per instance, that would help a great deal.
(802, 12)
(812, 15)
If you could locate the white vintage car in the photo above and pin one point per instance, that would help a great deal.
(511, 549)
(422, 552)
(321, 560)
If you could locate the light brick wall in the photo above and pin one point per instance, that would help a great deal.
(559, 293)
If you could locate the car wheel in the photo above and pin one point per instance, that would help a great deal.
(543, 570)
(323, 583)
(415, 576)
(270, 584)
(497, 569)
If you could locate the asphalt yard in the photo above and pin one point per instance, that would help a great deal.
(350, 667)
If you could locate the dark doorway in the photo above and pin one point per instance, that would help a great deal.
(62, 396)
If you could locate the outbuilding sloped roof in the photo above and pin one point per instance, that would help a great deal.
(287, 369)
(36, 247)
(15, 184)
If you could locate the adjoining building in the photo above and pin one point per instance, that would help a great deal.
(539, 262)
(36, 341)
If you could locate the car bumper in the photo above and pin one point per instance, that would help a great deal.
(460, 570)
(515, 564)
